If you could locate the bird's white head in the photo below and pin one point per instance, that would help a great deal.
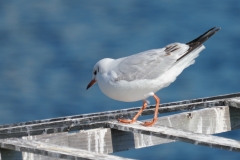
(99, 68)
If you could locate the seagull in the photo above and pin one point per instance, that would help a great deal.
(141, 75)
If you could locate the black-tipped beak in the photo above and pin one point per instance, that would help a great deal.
(91, 83)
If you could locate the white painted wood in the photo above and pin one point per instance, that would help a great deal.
(179, 135)
(103, 140)
(207, 121)
(52, 150)
(213, 119)
(94, 120)
(95, 140)
(234, 102)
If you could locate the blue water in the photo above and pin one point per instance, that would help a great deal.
(48, 50)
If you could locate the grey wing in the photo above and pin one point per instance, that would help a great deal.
(149, 64)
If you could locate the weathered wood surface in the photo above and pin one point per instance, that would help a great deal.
(179, 135)
(95, 140)
(233, 102)
(52, 150)
(86, 121)
(215, 118)
(105, 140)
(205, 121)
(166, 107)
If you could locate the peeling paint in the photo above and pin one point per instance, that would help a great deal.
(89, 139)
(200, 125)
(99, 140)
(169, 121)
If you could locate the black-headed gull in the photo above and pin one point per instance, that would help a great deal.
(141, 75)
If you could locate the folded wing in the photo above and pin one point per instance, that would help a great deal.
(149, 64)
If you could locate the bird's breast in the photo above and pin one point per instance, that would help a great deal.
(127, 91)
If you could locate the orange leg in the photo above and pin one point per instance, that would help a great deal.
(148, 124)
(136, 116)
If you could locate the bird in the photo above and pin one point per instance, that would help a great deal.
(139, 76)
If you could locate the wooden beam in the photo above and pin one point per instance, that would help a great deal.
(94, 140)
(178, 135)
(86, 121)
(51, 150)
(233, 102)
(211, 120)
(207, 121)
(165, 107)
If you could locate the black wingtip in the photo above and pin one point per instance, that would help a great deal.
(200, 40)
(205, 36)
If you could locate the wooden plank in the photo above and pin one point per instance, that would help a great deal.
(51, 150)
(103, 140)
(165, 107)
(57, 127)
(95, 140)
(233, 102)
(25, 129)
(207, 121)
(189, 121)
(179, 135)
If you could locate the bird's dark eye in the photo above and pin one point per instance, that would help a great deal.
(98, 69)
(95, 73)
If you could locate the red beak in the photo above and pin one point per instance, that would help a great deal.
(91, 83)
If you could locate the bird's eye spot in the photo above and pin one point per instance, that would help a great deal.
(98, 69)
(95, 73)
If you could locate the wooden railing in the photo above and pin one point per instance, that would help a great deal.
(94, 136)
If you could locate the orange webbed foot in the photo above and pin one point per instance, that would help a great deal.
(128, 121)
(149, 123)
